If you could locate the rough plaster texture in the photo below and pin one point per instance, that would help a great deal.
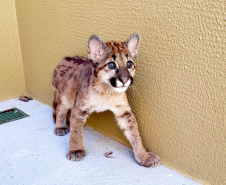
(179, 94)
(11, 71)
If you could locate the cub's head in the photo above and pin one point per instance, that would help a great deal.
(113, 61)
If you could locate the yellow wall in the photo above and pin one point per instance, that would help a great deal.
(11, 71)
(179, 96)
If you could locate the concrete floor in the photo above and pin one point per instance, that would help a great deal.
(30, 153)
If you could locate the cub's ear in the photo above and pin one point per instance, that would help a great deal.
(96, 48)
(132, 44)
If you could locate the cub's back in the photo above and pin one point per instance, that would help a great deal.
(71, 72)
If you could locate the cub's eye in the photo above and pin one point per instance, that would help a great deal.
(111, 65)
(129, 64)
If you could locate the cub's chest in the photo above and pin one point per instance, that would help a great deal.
(99, 103)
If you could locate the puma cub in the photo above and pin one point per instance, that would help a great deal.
(99, 83)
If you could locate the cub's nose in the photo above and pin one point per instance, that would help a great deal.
(123, 79)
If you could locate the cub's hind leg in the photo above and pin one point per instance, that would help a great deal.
(55, 103)
(61, 120)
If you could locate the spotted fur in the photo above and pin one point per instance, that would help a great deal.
(98, 83)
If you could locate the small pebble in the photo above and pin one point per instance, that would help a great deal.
(107, 154)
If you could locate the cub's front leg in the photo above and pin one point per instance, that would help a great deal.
(76, 150)
(128, 124)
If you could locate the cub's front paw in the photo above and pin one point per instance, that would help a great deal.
(61, 131)
(149, 160)
(76, 155)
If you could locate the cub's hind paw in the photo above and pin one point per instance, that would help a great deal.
(76, 155)
(61, 131)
